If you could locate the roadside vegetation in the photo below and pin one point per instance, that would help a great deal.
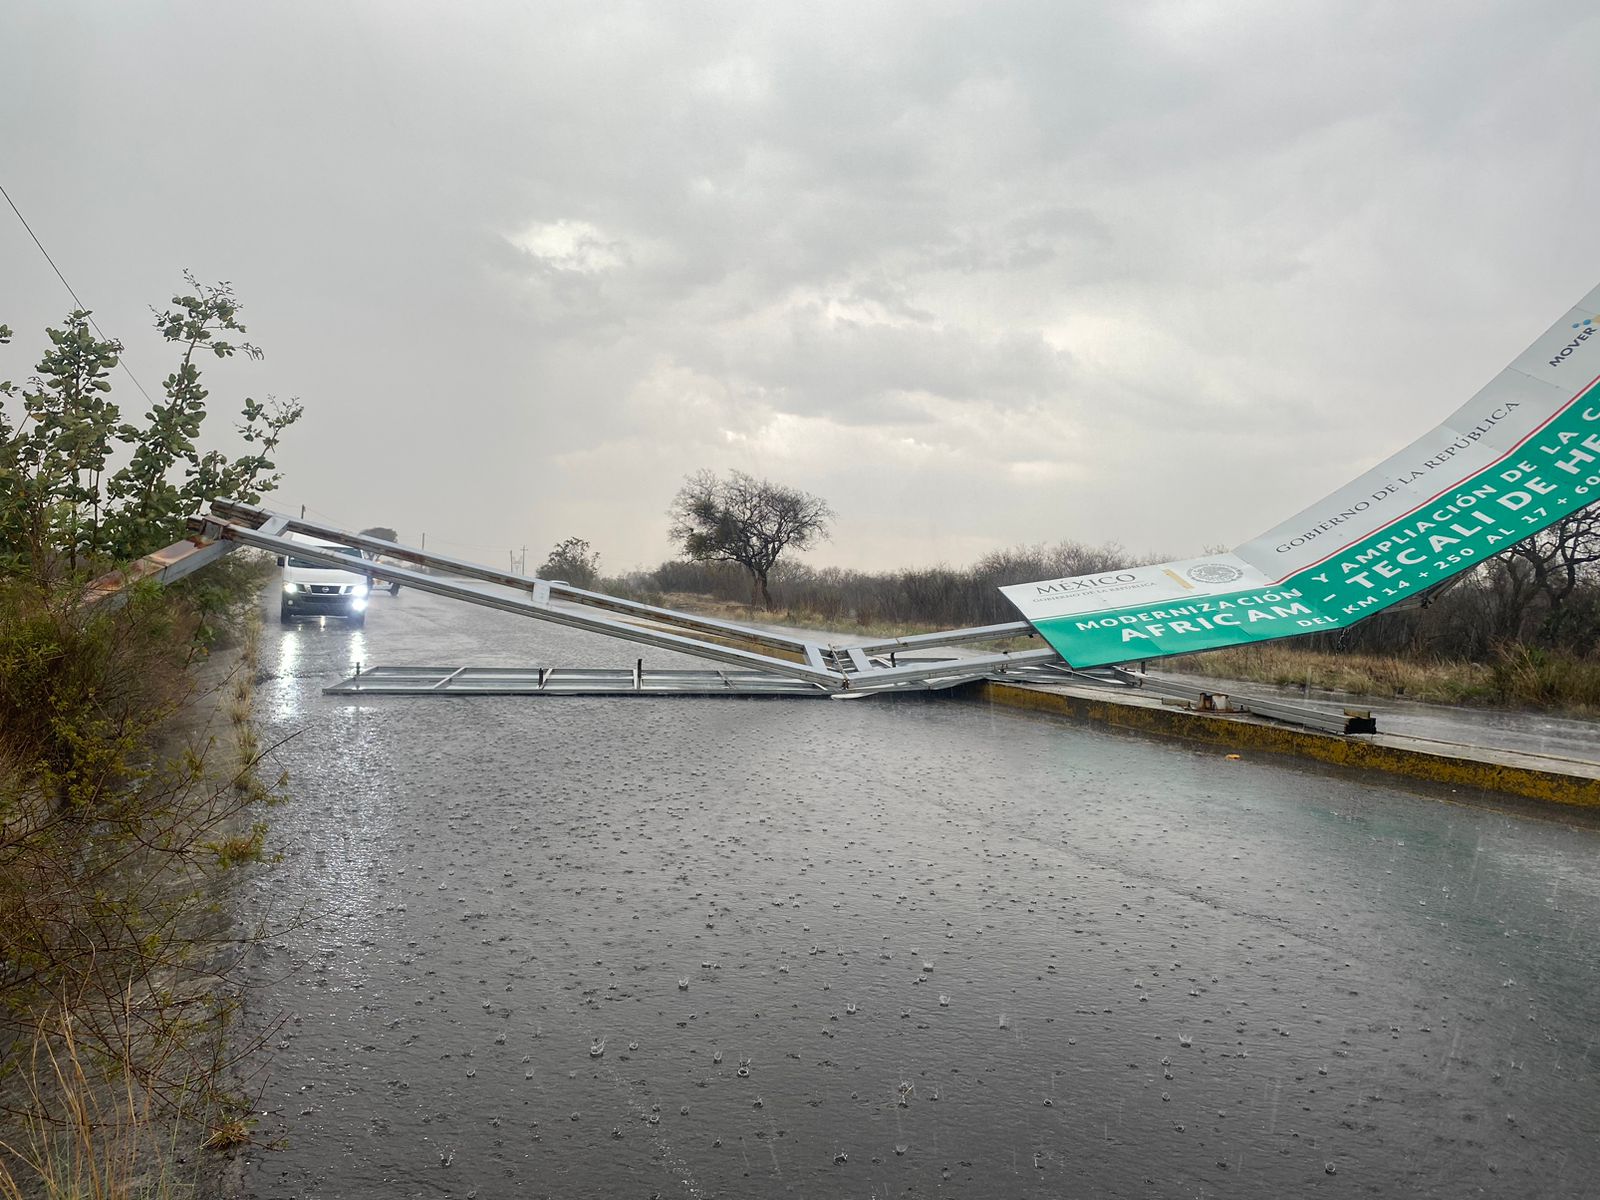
(866, 603)
(572, 561)
(131, 782)
(938, 597)
(1521, 630)
(1515, 675)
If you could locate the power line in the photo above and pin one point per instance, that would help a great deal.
(82, 307)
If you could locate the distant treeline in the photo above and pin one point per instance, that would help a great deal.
(1546, 594)
(923, 596)
(1502, 604)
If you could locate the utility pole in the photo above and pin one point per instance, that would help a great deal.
(524, 570)
(302, 512)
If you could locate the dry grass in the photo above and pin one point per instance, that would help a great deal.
(83, 1129)
(1363, 674)
(120, 817)
(1541, 679)
(1518, 676)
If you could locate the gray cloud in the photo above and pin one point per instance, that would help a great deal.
(978, 273)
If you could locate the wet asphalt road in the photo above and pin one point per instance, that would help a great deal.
(636, 947)
(1492, 728)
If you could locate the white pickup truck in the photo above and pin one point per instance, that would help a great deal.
(314, 589)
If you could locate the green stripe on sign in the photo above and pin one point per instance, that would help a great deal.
(1554, 473)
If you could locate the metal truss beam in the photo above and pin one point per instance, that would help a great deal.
(768, 663)
(834, 669)
(164, 566)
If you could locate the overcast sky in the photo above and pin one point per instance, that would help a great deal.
(978, 274)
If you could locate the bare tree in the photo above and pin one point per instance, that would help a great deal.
(1543, 591)
(744, 520)
(1558, 555)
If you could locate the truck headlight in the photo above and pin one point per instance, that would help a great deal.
(288, 587)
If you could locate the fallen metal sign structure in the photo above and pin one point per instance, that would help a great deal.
(753, 662)
(1519, 456)
(830, 669)
(605, 681)
(566, 681)
(637, 681)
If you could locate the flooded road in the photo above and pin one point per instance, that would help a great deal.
(742, 948)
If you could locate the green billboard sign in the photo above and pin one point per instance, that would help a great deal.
(1520, 455)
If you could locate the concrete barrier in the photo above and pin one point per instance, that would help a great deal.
(1574, 787)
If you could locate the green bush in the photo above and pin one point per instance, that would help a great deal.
(64, 509)
(116, 817)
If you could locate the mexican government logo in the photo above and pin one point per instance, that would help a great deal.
(1215, 573)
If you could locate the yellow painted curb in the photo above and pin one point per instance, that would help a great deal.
(1549, 787)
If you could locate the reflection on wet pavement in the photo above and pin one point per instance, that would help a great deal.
(623, 947)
